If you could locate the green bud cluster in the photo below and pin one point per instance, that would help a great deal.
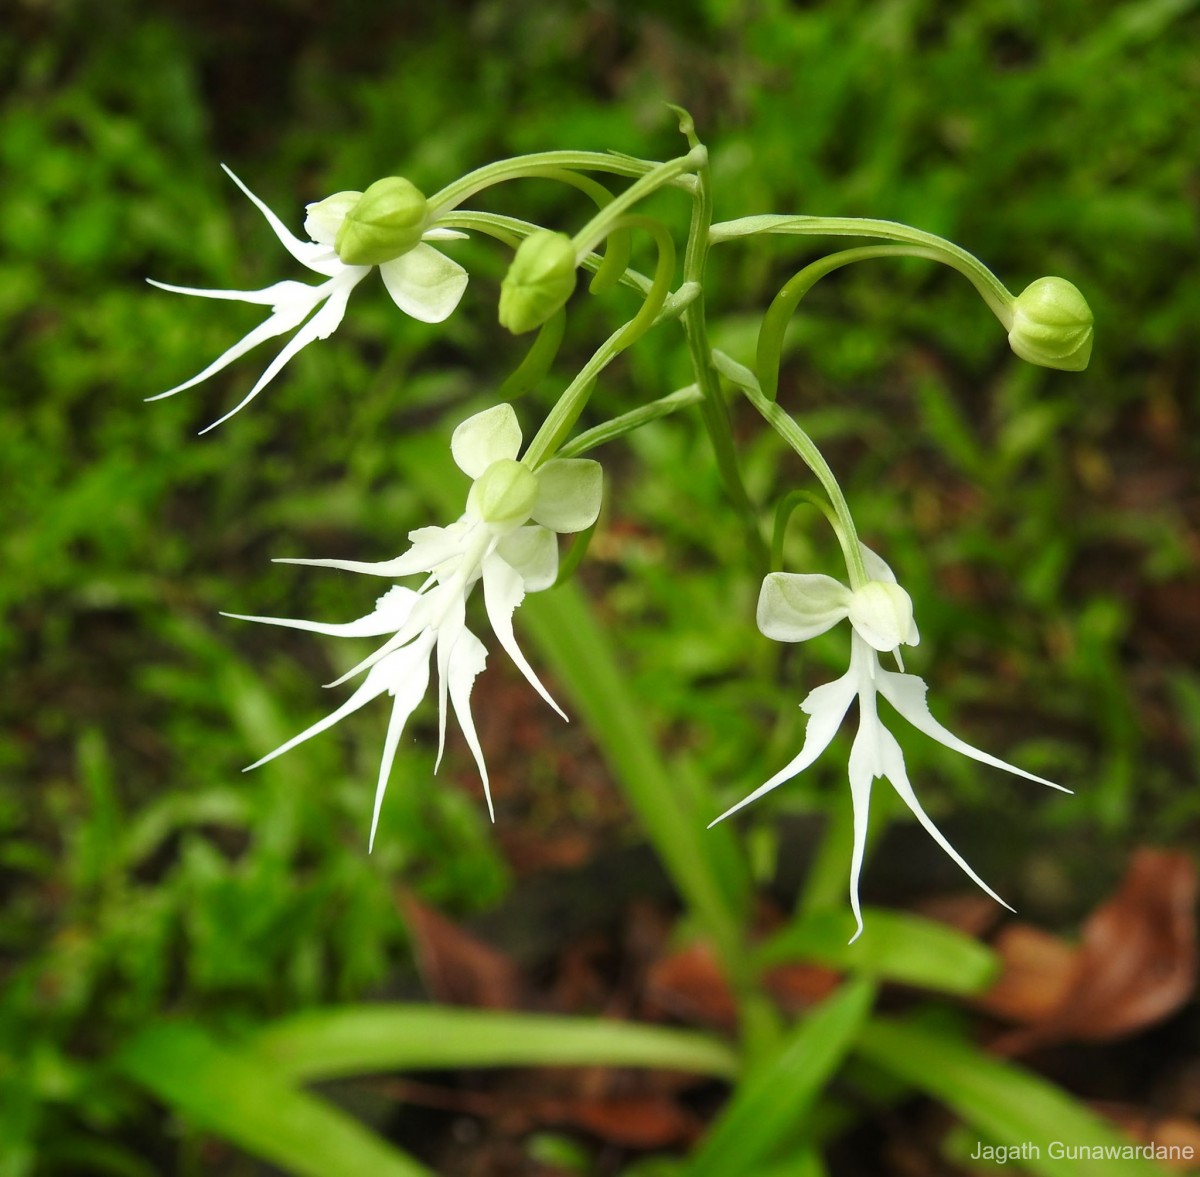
(1052, 325)
(539, 281)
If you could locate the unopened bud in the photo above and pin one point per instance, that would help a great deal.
(1052, 325)
(539, 281)
(882, 613)
(504, 494)
(385, 222)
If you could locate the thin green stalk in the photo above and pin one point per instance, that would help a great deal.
(786, 427)
(656, 307)
(602, 223)
(664, 275)
(991, 289)
(713, 410)
(770, 335)
(530, 165)
(627, 422)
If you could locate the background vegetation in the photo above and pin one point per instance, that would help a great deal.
(1048, 525)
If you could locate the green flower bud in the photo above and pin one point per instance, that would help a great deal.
(504, 494)
(387, 220)
(882, 612)
(1052, 325)
(539, 281)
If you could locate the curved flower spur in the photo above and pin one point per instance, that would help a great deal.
(506, 538)
(795, 607)
(351, 233)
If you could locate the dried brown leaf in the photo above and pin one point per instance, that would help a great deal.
(456, 967)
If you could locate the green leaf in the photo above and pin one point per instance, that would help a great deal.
(765, 1110)
(895, 947)
(239, 1096)
(356, 1040)
(1004, 1103)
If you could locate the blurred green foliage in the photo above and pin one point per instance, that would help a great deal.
(1046, 524)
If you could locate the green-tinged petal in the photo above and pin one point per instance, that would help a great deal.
(875, 566)
(882, 613)
(485, 438)
(533, 552)
(325, 217)
(424, 283)
(569, 494)
(795, 606)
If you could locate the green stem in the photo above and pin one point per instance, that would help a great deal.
(713, 410)
(522, 166)
(654, 309)
(617, 248)
(786, 427)
(604, 221)
(664, 274)
(993, 291)
(628, 422)
(783, 515)
(779, 314)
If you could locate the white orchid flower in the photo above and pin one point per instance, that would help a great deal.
(793, 608)
(423, 283)
(506, 539)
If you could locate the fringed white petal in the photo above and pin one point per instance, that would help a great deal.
(319, 258)
(826, 707)
(466, 661)
(390, 613)
(503, 591)
(892, 766)
(451, 625)
(408, 671)
(907, 693)
(289, 313)
(374, 684)
(320, 326)
(864, 767)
